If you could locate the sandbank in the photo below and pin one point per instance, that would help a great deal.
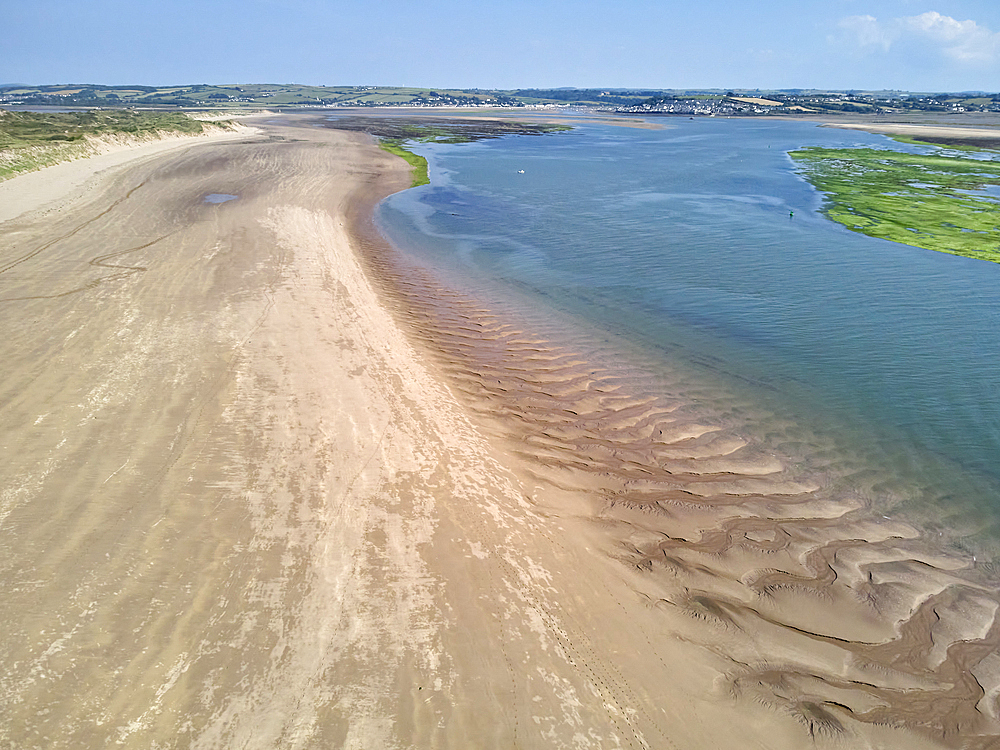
(955, 134)
(269, 483)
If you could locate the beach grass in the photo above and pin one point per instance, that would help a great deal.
(33, 140)
(935, 201)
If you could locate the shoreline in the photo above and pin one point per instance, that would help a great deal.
(542, 435)
(929, 133)
(279, 482)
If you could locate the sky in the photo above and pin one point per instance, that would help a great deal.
(909, 45)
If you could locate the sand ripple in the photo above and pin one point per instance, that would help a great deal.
(821, 607)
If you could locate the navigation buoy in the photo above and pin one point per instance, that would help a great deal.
(791, 214)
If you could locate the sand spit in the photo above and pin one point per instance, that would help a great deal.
(942, 134)
(265, 485)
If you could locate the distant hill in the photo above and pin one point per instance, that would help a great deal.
(233, 96)
(664, 101)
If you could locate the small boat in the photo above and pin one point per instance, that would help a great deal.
(520, 171)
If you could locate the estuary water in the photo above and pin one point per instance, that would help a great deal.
(699, 245)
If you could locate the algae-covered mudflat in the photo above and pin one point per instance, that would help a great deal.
(395, 133)
(935, 201)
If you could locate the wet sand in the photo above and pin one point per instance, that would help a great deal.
(267, 484)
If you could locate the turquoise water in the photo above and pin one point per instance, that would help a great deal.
(702, 245)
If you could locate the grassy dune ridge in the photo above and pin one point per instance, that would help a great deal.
(33, 140)
(938, 201)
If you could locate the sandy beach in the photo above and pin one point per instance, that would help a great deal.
(267, 484)
(962, 132)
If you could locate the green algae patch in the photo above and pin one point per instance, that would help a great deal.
(395, 133)
(934, 201)
(418, 164)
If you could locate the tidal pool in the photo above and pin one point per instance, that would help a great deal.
(219, 197)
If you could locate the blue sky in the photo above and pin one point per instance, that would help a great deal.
(930, 45)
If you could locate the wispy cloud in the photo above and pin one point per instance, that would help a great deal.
(961, 41)
(965, 41)
(865, 32)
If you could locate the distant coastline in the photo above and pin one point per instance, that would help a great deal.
(691, 102)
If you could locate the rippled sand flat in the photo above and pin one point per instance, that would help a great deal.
(266, 484)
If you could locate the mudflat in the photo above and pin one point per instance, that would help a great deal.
(266, 485)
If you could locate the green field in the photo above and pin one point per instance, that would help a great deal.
(32, 140)
(935, 201)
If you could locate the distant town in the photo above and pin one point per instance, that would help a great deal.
(639, 101)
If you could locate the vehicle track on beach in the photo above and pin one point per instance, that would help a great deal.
(18, 260)
(100, 261)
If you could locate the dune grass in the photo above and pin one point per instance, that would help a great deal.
(935, 201)
(32, 140)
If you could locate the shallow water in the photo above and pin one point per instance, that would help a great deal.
(220, 198)
(701, 244)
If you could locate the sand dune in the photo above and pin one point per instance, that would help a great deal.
(269, 484)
